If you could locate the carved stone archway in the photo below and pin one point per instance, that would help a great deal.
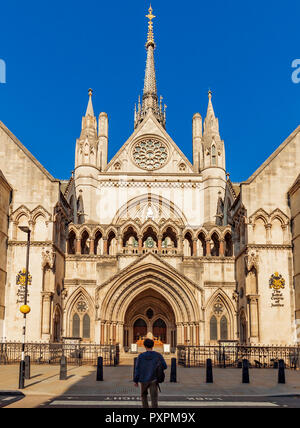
(158, 281)
(150, 306)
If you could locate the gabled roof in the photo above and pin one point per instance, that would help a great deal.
(137, 132)
(273, 156)
(27, 152)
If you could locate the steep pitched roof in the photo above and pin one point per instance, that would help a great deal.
(27, 152)
(273, 156)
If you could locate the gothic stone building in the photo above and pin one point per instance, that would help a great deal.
(150, 243)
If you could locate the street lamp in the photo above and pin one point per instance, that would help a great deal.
(25, 309)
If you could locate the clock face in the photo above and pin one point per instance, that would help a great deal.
(150, 154)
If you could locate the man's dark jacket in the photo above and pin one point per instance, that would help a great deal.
(145, 367)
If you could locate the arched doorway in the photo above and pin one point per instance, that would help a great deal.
(150, 315)
(160, 330)
(139, 329)
(150, 290)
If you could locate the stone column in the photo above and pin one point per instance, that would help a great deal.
(105, 249)
(197, 335)
(114, 333)
(253, 312)
(140, 244)
(102, 338)
(222, 248)
(159, 243)
(92, 247)
(195, 247)
(78, 246)
(268, 233)
(46, 299)
(120, 245)
(208, 249)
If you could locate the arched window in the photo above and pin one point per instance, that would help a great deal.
(213, 328)
(219, 321)
(224, 328)
(213, 155)
(84, 243)
(98, 246)
(169, 238)
(201, 245)
(86, 327)
(81, 325)
(139, 329)
(228, 245)
(150, 241)
(71, 243)
(112, 244)
(215, 251)
(188, 245)
(160, 330)
(76, 326)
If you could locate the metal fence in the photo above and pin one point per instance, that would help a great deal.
(233, 356)
(51, 353)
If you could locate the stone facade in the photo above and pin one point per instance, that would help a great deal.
(150, 243)
(294, 195)
(5, 193)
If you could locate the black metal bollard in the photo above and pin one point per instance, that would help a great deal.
(100, 369)
(27, 367)
(209, 371)
(246, 371)
(173, 375)
(281, 373)
(134, 364)
(63, 368)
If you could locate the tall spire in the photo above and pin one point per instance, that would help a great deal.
(211, 123)
(150, 98)
(90, 109)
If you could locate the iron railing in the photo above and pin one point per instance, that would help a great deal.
(51, 353)
(233, 356)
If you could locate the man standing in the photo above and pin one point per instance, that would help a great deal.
(146, 373)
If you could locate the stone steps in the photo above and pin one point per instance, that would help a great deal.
(128, 359)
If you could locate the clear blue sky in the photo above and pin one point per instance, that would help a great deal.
(243, 51)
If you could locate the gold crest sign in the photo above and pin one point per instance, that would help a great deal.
(21, 278)
(277, 282)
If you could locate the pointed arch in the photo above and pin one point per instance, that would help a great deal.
(19, 212)
(136, 208)
(79, 304)
(96, 230)
(109, 230)
(71, 242)
(57, 323)
(150, 224)
(40, 211)
(220, 308)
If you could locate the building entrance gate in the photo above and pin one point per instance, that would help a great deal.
(150, 315)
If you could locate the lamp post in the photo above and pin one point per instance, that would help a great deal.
(24, 310)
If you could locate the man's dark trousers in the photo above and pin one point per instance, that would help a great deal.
(153, 387)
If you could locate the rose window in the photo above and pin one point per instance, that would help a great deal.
(150, 154)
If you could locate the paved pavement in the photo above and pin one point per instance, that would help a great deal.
(45, 388)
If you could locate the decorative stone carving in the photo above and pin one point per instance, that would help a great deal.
(252, 260)
(150, 154)
(48, 257)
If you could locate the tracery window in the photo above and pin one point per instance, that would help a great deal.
(150, 154)
(81, 321)
(219, 327)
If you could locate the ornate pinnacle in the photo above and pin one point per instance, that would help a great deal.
(150, 40)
